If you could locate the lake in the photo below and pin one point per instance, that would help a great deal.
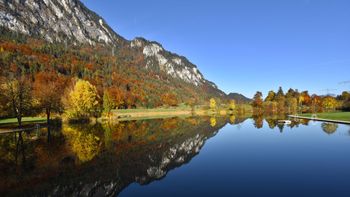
(197, 156)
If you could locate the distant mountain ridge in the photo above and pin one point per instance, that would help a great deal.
(240, 98)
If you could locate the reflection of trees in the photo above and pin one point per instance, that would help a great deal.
(20, 149)
(271, 122)
(212, 121)
(304, 121)
(232, 119)
(13, 149)
(329, 128)
(108, 140)
(280, 127)
(153, 151)
(258, 121)
(170, 124)
(83, 143)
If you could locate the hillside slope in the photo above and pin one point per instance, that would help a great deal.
(74, 30)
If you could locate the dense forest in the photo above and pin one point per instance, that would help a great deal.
(294, 101)
(38, 76)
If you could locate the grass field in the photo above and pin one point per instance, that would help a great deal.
(25, 120)
(344, 116)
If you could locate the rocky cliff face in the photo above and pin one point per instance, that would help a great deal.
(172, 64)
(70, 21)
(56, 21)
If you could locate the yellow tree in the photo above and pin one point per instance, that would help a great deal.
(82, 100)
(212, 104)
(329, 103)
(16, 94)
(212, 121)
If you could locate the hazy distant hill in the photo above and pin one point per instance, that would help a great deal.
(239, 98)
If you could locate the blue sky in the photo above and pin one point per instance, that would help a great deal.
(245, 45)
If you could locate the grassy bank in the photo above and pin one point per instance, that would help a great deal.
(25, 120)
(132, 114)
(11, 123)
(343, 116)
(180, 111)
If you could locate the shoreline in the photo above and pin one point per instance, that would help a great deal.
(141, 114)
(320, 119)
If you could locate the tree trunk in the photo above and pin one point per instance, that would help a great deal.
(19, 120)
(48, 111)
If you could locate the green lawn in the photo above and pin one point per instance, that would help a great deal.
(24, 120)
(161, 109)
(345, 116)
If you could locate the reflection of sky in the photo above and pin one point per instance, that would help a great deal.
(262, 162)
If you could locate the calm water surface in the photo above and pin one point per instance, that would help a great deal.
(179, 157)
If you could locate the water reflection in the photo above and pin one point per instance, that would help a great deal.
(84, 160)
(329, 128)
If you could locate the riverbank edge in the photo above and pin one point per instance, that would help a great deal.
(137, 114)
(320, 119)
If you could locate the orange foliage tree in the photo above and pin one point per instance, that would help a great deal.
(169, 99)
(48, 89)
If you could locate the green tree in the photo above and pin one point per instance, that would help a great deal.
(280, 93)
(292, 104)
(108, 103)
(281, 100)
(345, 100)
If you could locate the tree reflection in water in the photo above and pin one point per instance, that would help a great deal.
(85, 159)
(83, 142)
(329, 128)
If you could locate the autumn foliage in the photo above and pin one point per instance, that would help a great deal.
(52, 68)
(297, 102)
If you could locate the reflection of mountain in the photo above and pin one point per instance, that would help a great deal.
(141, 152)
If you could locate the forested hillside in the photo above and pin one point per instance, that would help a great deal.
(122, 73)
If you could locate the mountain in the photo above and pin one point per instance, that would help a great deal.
(240, 98)
(70, 23)
(56, 21)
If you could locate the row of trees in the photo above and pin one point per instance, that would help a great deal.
(49, 92)
(294, 101)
